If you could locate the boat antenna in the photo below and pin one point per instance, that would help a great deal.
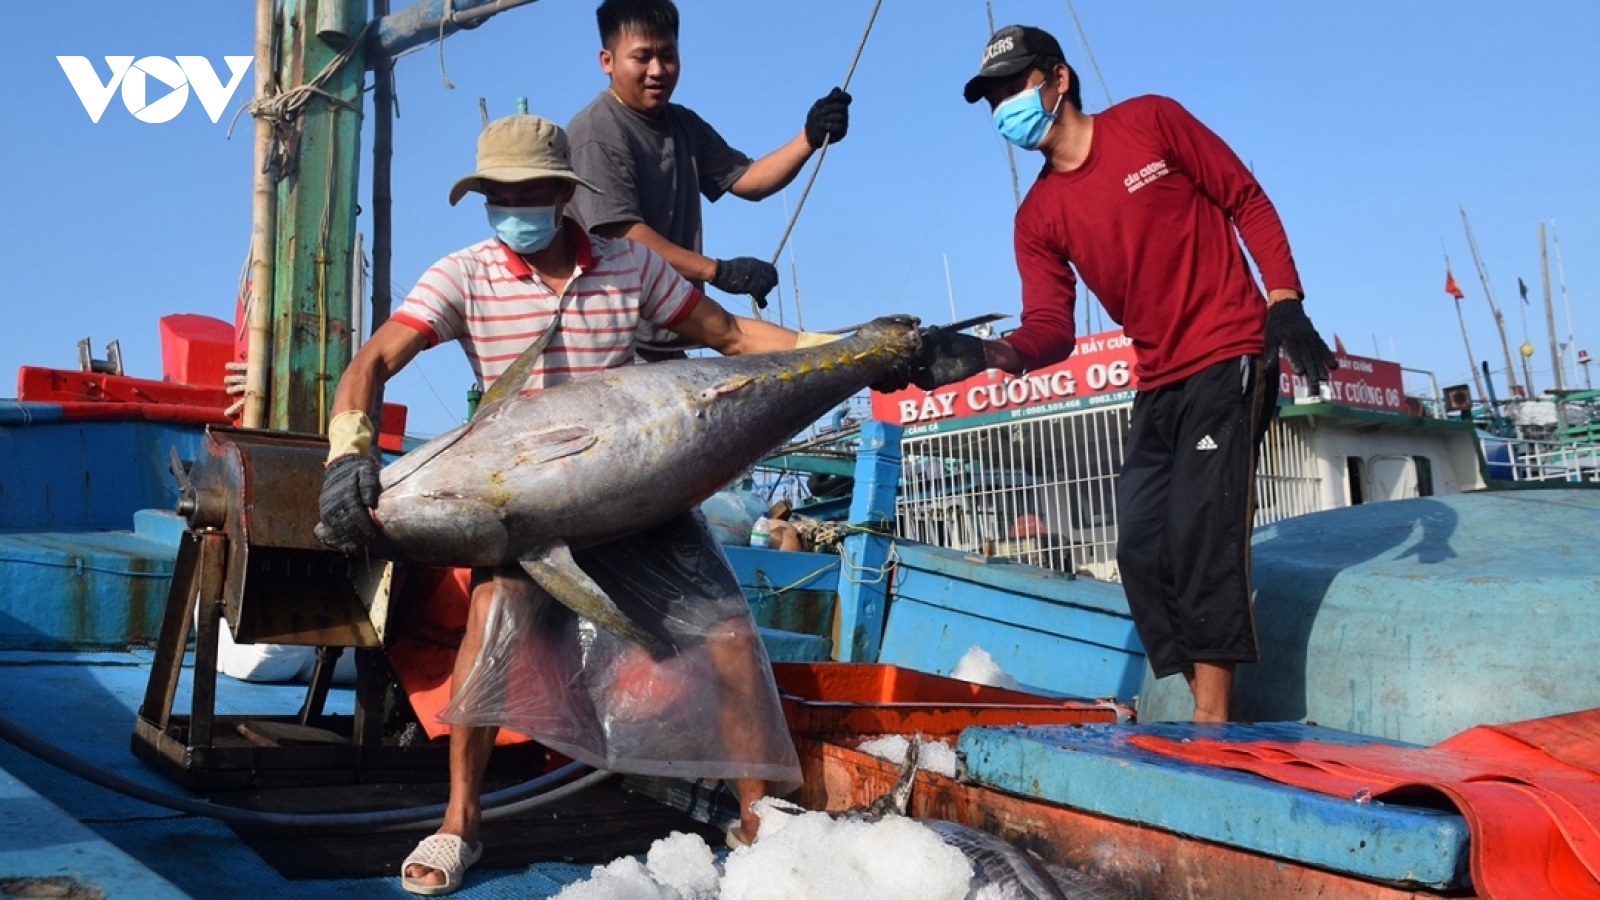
(1082, 36)
(1472, 361)
(1561, 276)
(1499, 320)
(822, 151)
(949, 289)
(1011, 156)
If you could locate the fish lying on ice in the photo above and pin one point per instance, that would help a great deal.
(597, 458)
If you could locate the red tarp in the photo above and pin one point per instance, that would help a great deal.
(1530, 792)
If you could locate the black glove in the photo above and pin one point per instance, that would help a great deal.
(746, 275)
(349, 491)
(829, 118)
(947, 357)
(1289, 330)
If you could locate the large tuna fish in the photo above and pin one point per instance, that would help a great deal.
(590, 460)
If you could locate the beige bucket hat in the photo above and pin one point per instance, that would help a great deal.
(519, 148)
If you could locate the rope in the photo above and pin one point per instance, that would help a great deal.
(822, 152)
(780, 591)
(852, 571)
(449, 16)
(1082, 36)
(283, 109)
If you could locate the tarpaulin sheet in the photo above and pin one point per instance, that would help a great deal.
(1530, 792)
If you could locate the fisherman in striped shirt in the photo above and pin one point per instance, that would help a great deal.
(540, 273)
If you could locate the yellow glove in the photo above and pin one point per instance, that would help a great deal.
(813, 339)
(350, 432)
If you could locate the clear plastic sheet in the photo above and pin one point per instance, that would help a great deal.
(704, 706)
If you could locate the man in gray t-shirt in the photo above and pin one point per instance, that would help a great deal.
(653, 159)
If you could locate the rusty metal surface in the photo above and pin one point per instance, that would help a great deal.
(1144, 862)
(282, 585)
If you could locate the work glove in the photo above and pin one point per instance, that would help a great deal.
(746, 275)
(1289, 330)
(828, 119)
(946, 358)
(350, 490)
(350, 484)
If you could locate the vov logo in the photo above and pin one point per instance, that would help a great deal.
(134, 79)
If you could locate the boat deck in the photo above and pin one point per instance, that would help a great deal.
(56, 826)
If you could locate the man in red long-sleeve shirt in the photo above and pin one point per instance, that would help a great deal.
(1147, 206)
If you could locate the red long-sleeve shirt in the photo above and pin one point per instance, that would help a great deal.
(1148, 221)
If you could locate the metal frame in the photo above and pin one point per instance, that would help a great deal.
(969, 489)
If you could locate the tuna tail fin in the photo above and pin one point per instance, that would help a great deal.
(510, 382)
(554, 569)
(898, 799)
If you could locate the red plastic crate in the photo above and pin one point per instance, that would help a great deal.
(873, 698)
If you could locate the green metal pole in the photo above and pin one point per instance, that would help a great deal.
(311, 304)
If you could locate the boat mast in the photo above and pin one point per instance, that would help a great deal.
(1550, 310)
(1499, 320)
(1472, 361)
(1572, 341)
(263, 230)
(311, 61)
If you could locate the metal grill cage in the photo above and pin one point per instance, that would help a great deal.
(1042, 490)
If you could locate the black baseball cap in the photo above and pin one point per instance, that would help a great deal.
(1010, 50)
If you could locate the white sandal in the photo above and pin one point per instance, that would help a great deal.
(447, 854)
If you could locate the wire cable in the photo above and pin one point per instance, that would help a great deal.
(822, 152)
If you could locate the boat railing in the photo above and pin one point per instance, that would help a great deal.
(1531, 460)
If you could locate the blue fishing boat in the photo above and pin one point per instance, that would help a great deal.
(143, 534)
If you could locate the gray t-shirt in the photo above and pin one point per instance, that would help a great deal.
(652, 169)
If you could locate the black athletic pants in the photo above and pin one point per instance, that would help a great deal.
(1185, 500)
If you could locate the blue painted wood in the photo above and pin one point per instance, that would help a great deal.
(791, 591)
(932, 639)
(790, 646)
(864, 581)
(84, 703)
(1417, 619)
(1051, 631)
(88, 589)
(161, 525)
(72, 476)
(877, 476)
(1093, 768)
(783, 569)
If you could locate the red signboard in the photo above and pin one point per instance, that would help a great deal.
(1100, 372)
(1360, 381)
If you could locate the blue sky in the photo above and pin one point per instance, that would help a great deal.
(1368, 123)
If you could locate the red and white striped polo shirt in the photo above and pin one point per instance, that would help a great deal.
(487, 298)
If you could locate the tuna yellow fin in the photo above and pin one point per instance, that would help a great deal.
(511, 381)
(554, 569)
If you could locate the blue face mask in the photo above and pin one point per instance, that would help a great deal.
(1022, 120)
(525, 229)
